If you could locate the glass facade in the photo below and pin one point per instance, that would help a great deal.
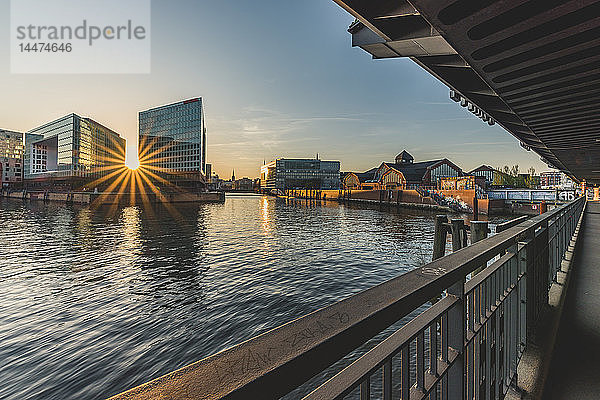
(301, 174)
(72, 147)
(11, 157)
(443, 171)
(172, 139)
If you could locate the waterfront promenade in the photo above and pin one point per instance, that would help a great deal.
(575, 370)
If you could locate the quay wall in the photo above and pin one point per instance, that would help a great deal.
(119, 198)
(388, 196)
(400, 198)
(403, 198)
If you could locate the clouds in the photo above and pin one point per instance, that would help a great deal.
(359, 140)
(288, 89)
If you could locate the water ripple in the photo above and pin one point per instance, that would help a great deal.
(93, 302)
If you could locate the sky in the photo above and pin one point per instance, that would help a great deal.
(278, 78)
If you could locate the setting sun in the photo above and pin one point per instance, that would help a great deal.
(132, 162)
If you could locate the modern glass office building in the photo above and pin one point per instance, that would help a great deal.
(11, 157)
(286, 173)
(72, 150)
(172, 141)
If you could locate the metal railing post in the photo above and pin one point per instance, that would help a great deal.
(479, 231)
(530, 259)
(525, 265)
(456, 340)
(538, 282)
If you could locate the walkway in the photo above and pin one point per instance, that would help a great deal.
(575, 368)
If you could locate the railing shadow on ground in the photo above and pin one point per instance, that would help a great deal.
(467, 345)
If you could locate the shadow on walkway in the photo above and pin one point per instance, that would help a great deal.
(575, 366)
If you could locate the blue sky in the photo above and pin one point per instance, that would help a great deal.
(279, 79)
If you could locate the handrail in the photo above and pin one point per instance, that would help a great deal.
(509, 224)
(341, 384)
(276, 362)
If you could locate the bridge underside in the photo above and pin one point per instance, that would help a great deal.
(531, 66)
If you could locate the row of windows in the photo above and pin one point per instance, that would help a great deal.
(179, 109)
(169, 153)
(16, 178)
(154, 121)
(10, 147)
(170, 145)
(308, 174)
(12, 155)
(172, 112)
(176, 165)
(443, 171)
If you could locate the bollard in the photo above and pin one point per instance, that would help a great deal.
(458, 227)
(439, 237)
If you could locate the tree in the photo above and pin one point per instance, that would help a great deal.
(509, 176)
(530, 181)
(514, 171)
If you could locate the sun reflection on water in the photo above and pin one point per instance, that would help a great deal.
(267, 223)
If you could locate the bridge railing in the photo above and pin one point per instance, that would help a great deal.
(466, 345)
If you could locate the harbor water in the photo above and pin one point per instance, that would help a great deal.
(96, 301)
